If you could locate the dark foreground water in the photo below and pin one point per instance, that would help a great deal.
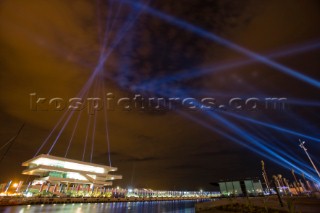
(130, 207)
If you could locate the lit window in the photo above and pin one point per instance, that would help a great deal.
(68, 165)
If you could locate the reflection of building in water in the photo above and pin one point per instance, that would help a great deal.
(64, 172)
(246, 187)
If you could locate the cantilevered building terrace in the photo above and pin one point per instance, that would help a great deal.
(59, 170)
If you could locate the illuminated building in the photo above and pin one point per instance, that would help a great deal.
(59, 170)
(246, 187)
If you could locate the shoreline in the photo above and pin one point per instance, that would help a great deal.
(12, 201)
(261, 204)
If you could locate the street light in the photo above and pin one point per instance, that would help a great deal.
(305, 149)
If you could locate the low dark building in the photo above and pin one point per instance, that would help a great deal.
(244, 187)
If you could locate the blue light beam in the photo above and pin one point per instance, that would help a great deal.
(211, 36)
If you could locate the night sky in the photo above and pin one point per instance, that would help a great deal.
(51, 48)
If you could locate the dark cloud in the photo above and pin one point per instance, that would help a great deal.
(142, 159)
(216, 153)
(186, 167)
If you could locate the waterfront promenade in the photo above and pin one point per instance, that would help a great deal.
(270, 204)
(8, 201)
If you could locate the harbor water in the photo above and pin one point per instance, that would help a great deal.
(185, 206)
